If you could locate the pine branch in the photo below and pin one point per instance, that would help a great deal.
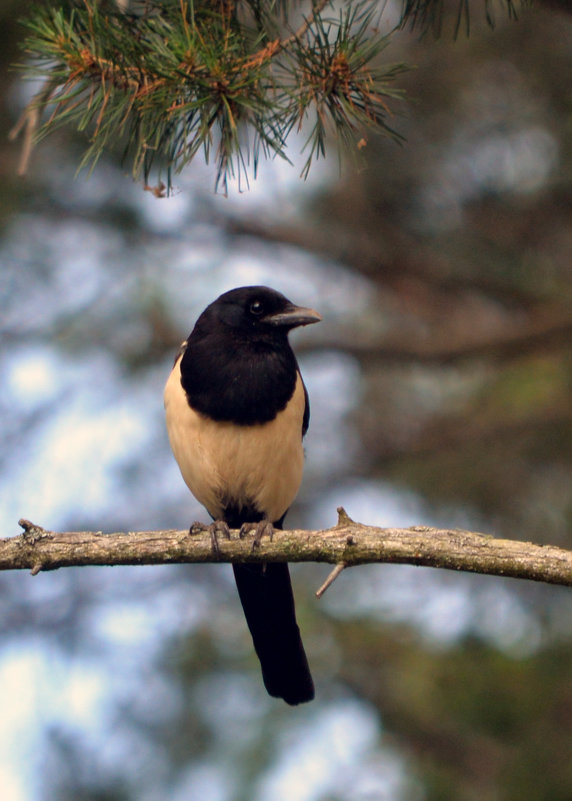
(345, 545)
(429, 15)
(229, 79)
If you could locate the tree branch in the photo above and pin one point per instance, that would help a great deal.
(538, 336)
(346, 544)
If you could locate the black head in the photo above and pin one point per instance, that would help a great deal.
(238, 364)
(256, 311)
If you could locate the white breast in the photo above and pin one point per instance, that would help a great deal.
(220, 461)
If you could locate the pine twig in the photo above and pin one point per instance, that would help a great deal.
(28, 124)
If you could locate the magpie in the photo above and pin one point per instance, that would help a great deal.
(237, 410)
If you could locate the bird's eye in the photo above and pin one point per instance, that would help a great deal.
(256, 308)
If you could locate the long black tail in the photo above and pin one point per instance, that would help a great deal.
(266, 596)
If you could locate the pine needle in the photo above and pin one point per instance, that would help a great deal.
(222, 77)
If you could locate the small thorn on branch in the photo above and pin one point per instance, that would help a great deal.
(343, 518)
(331, 578)
(32, 533)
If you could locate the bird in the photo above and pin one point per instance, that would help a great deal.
(236, 411)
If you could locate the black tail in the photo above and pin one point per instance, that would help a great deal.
(266, 596)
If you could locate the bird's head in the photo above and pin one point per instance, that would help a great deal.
(259, 311)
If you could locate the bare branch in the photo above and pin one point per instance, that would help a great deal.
(538, 336)
(330, 580)
(348, 544)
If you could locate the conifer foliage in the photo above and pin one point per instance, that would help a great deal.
(231, 78)
(167, 79)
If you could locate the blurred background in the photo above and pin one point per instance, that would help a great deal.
(441, 391)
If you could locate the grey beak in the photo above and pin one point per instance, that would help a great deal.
(293, 316)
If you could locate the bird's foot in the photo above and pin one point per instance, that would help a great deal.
(214, 529)
(263, 528)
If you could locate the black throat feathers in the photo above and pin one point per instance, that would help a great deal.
(236, 379)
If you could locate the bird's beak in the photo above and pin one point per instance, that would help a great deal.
(293, 316)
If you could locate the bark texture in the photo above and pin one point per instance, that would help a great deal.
(345, 545)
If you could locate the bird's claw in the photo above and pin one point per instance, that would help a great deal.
(214, 529)
(263, 528)
(197, 528)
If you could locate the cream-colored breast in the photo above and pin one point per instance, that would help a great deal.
(222, 462)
